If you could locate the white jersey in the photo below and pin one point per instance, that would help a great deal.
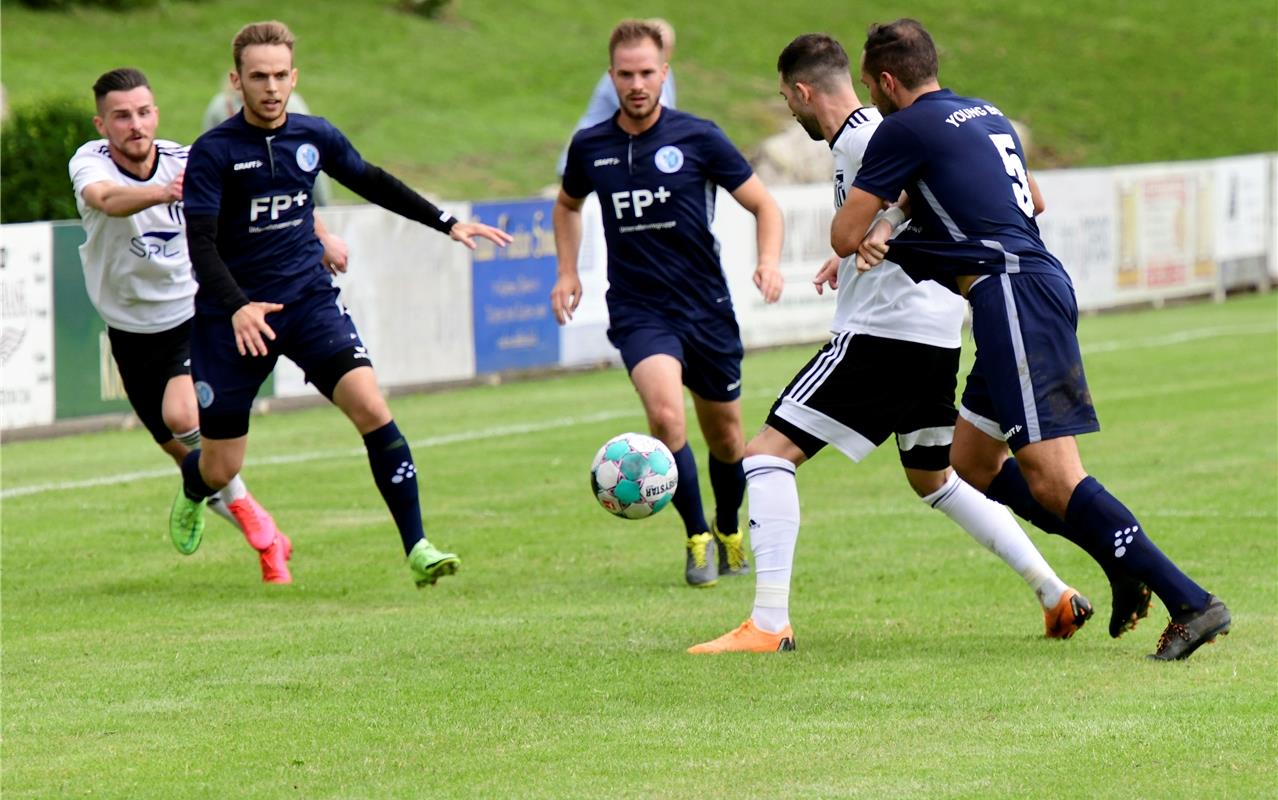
(885, 301)
(136, 268)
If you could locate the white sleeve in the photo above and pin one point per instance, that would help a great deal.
(88, 168)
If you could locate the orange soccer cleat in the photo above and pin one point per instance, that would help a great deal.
(1071, 612)
(256, 523)
(746, 638)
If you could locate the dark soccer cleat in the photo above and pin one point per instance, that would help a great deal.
(1131, 604)
(1191, 630)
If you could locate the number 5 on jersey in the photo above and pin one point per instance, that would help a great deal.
(1006, 146)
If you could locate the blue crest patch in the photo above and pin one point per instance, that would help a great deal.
(204, 394)
(669, 159)
(308, 157)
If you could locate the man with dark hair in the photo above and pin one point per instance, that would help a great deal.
(890, 368)
(670, 313)
(128, 189)
(972, 204)
(264, 292)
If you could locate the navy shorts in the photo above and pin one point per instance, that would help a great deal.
(147, 361)
(709, 349)
(314, 331)
(1027, 384)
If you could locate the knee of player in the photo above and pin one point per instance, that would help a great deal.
(926, 482)
(181, 419)
(668, 422)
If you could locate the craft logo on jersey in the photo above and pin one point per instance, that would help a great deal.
(669, 159)
(308, 157)
(155, 243)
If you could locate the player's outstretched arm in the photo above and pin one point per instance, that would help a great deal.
(117, 200)
(465, 232)
(769, 230)
(566, 218)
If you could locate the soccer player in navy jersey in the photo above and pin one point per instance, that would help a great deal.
(890, 369)
(655, 170)
(265, 293)
(972, 204)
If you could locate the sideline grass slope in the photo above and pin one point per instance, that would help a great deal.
(553, 665)
(478, 106)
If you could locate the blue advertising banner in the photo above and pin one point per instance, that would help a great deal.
(514, 326)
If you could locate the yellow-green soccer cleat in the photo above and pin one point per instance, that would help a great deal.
(186, 523)
(732, 552)
(428, 564)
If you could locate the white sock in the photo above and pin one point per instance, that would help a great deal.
(774, 529)
(992, 525)
(191, 438)
(226, 495)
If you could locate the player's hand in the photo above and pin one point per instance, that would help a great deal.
(336, 253)
(565, 297)
(874, 246)
(828, 275)
(465, 232)
(249, 323)
(173, 190)
(769, 281)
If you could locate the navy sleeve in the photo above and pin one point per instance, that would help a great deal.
(892, 159)
(202, 185)
(576, 182)
(339, 157)
(724, 163)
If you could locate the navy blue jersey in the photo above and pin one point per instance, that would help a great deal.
(962, 165)
(259, 184)
(657, 192)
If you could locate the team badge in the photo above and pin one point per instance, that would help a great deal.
(669, 159)
(204, 394)
(308, 157)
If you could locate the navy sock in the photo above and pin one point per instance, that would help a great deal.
(392, 464)
(1010, 488)
(687, 499)
(1119, 543)
(729, 484)
(193, 484)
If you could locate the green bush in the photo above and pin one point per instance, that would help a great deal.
(36, 144)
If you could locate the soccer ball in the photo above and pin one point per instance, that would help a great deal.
(634, 476)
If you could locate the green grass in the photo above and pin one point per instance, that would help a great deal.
(553, 665)
(479, 105)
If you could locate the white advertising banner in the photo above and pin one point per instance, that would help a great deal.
(26, 325)
(408, 289)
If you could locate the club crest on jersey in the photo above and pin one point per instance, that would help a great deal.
(308, 157)
(204, 394)
(669, 159)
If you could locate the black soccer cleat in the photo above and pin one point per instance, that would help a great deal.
(1131, 604)
(1192, 630)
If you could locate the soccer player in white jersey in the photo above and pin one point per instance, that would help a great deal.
(891, 368)
(128, 189)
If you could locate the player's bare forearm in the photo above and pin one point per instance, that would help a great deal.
(566, 219)
(117, 200)
(769, 229)
(852, 221)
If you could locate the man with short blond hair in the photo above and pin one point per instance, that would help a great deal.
(670, 314)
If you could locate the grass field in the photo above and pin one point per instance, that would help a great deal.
(553, 665)
(479, 105)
